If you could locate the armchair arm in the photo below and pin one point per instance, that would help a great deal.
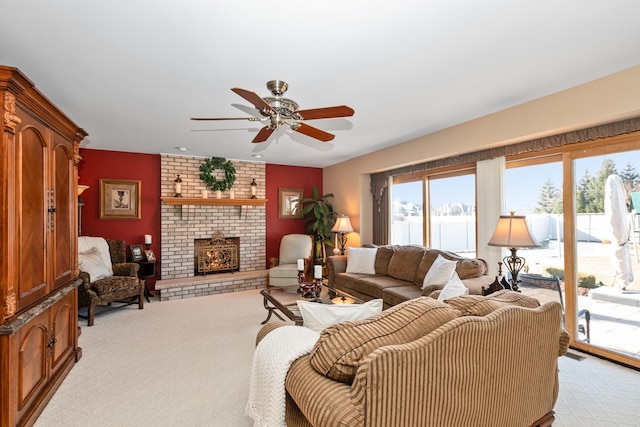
(126, 269)
(86, 279)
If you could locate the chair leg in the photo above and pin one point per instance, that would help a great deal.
(90, 316)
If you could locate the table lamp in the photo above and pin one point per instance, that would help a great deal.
(512, 233)
(342, 226)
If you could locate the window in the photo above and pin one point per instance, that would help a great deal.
(449, 223)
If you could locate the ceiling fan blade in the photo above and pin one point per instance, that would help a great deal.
(263, 135)
(253, 98)
(314, 132)
(326, 113)
(224, 118)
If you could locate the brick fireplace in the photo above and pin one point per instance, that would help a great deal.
(181, 225)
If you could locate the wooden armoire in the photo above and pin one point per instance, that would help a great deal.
(38, 246)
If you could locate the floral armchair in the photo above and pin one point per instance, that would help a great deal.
(106, 276)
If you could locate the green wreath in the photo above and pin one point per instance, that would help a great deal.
(209, 166)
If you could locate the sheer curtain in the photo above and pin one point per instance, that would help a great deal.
(490, 204)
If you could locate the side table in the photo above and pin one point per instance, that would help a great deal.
(147, 270)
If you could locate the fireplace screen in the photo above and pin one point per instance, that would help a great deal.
(216, 255)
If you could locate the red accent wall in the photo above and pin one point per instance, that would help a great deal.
(279, 176)
(97, 164)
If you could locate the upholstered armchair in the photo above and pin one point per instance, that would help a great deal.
(284, 269)
(106, 276)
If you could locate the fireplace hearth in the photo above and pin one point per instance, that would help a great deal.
(216, 255)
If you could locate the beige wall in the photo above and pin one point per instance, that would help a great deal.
(605, 100)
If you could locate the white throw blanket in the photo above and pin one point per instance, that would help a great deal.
(271, 361)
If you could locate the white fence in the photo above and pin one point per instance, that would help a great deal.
(458, 233)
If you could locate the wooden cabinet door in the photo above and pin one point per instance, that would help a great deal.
(64, 327)
(33, 340)
(64, 227)
(32, 201)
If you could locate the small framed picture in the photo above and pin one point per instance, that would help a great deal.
(150, 255)
(137, 253)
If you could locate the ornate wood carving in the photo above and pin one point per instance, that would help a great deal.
(11, 121)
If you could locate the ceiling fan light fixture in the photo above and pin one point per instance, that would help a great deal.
(277, 87)
(276, 111)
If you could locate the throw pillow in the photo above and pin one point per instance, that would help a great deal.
(453, 288)
(440, 272)
(318, 316)
(91, 262)
(361, 260)
(341, 347)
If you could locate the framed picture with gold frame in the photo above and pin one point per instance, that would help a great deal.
(289, 203)
(119, 199)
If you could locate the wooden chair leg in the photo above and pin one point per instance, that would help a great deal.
(90, 320)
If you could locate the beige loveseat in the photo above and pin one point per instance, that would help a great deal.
(399, 274)
(472, 361)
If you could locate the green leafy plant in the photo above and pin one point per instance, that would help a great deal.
(555, 272)
(587, 281)
(319, 218)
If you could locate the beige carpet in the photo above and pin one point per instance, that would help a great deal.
(186, 363)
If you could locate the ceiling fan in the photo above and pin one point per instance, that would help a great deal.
(277, 111)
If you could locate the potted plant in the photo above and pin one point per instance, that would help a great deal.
(319, 217)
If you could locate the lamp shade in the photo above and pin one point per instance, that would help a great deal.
(512, 232)
(81, 188)
(342, 225)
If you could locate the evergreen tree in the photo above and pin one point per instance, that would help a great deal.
(582, 199)
(548, 198)
(595, 189)
(630, 177)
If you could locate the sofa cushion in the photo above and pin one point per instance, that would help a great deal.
(318, 316)
(398, 294)
(405, 261)
(375, 285)
(383, 256)
(476, 305)
(361, 260)
(440, 272)
(341, 347)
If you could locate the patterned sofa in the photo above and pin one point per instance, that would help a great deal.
(472, 361)
(399, 274)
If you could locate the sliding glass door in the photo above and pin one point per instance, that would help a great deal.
(607, 259)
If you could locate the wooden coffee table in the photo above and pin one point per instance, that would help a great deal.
(285, 303)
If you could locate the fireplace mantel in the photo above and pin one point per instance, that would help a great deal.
(187, 204)
(201, 201)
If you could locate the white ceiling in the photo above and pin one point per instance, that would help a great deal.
(132, 72)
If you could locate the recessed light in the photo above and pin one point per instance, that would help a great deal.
(182, 148)
(257, 156)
